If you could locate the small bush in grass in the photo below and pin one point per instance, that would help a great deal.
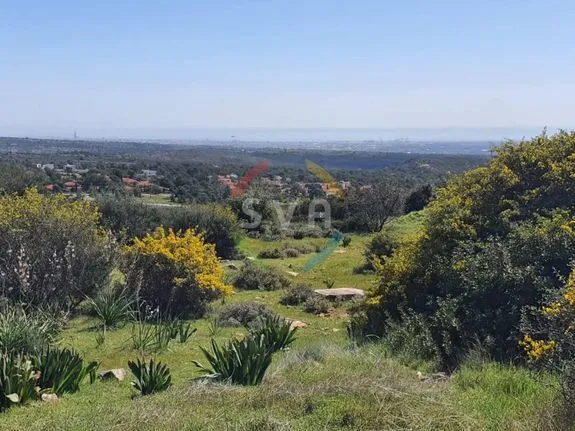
(62, 370)
(150, 378)
(297, 295)
(291, 252)
(316, 304)
(276, 332)
(26, 332)
(247, 314)
(346, 241)
(111, 308)
(18, 380)
(241, 362)
(272, 253)
(252, 277)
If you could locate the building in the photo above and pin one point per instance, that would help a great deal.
(71, 186)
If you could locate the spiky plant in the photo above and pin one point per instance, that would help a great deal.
(242, 362)
(276, 332)
(112, 308)
(62, 370)
(150, 378)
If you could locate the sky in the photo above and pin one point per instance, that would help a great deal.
(193, 69)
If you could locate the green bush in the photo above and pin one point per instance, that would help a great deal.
(291, 252)
(241, 362)
(27, 332)
(297, 295)
(18, 380)
(496, 240)
(276, 332)
(62, 370)
(316, 304)
(247, 314)
(271, 253)
(111, 308)
(150, 378)
(54, 252)
(252, 277)
(346, 241)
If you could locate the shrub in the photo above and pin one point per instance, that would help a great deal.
(150, 378)
(291, 252)
(129, 218)
(252, 277)
(276, 332)
(62, 370)
(17, 380)
(549, 342)
(246, 314)
(418, 199)
(297, 295)
(111, 308)
(27, 332)
(53, 251)
(346, 241)
(316, 304)
(241, 362)
(272, 253)
(174, 273)
(495, 240)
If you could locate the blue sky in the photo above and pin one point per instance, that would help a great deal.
(179, 68)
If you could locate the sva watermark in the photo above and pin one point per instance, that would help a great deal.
(318, 214)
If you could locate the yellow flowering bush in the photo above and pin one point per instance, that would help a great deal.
(175, 273)
(495, 242)
(53, 250)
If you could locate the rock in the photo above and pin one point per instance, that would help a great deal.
(293, 273)
(435, 377)
(117, 373)
(233, 266)
(340, 293)
(298, 324)
(49, 398)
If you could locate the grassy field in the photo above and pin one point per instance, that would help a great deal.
(322, 383)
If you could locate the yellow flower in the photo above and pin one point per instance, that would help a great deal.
(536, 349)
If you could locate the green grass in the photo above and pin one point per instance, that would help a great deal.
(320, 384)
(406, 225)
(337, 266)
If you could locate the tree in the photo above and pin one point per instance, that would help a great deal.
(418, 199)
(369, 208)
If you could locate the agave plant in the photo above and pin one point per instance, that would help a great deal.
(185, 331)
(18, 380)
(276, 332)
(242, 362)
(143, 337)
(112, 308)
(62, 370)
(150, 378)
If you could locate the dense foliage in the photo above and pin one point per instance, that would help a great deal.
(53, 251)
(175, 274)
(496, 240)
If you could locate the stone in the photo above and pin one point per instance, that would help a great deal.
(293, 273)
(118, 374)
(49, 398)
(340, 293)
(298, 324)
